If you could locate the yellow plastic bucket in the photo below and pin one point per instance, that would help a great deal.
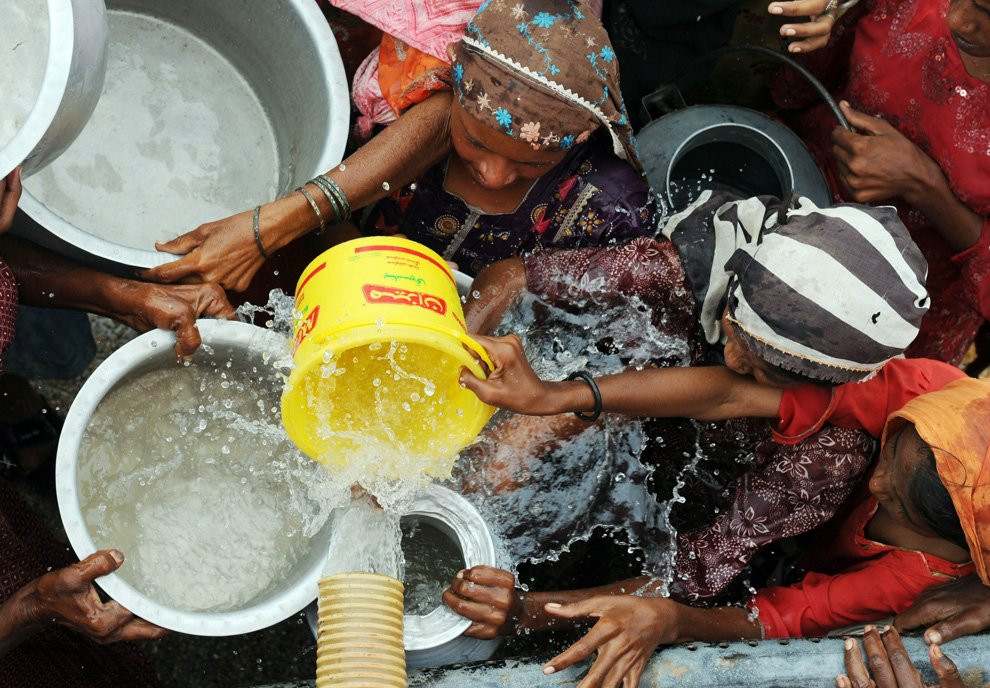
(378, 343)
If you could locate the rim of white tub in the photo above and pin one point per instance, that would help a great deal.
(272, 610)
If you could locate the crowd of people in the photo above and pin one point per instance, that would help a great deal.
(502, 141)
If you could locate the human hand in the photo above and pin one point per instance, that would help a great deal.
(880, 163)
(10, 196)
(512, 384)
(67, 597)
(627, 632)
(223, 252)
(145, 306)
(812, 34)
(960, 607)
(489, 598)
(891, 666)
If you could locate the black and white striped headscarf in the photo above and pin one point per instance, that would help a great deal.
(830, 293)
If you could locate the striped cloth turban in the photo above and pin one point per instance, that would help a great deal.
(829, 293)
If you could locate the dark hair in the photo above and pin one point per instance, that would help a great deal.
(800, 378)
(933, 502)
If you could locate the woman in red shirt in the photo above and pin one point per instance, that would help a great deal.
(915, 78)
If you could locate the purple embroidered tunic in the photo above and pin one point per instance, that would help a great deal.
(590, 199)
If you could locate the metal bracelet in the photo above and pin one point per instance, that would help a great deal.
(334, 192)
(315, 207)
(257, 233)
(338, 209)
(593, 416)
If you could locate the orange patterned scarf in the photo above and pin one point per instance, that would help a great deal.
(955, 423)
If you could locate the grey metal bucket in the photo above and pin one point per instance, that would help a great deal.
(732, 148)
(727, 147)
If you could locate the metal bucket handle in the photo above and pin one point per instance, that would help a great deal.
(780, 57)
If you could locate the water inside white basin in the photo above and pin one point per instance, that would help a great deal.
(189, 473)
(178, 138)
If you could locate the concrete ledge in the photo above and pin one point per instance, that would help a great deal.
(809, 663)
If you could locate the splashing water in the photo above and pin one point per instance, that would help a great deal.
(541, 494)
(202, 490)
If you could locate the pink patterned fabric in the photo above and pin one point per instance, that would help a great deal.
(427, 25)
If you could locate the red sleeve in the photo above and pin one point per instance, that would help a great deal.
(878, 588)
(974, 265)
(863, 405)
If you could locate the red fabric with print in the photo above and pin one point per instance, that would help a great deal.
(865, 405)
(905, 67)
(854, 580)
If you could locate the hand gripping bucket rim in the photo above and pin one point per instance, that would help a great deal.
(353, 319)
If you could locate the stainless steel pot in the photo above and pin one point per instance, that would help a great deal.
(70, 88)
(727, 147)
(210, 107)
(223, 341)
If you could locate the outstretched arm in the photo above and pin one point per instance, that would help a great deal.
(225, 251)
(706, 393)
(48, 280)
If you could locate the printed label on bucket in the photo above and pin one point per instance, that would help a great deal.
(307, 323)
(377, 293)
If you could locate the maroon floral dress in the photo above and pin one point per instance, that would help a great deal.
(783, 490)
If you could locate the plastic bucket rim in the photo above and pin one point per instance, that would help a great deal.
(448, 342)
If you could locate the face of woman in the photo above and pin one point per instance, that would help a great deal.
(497, 161)
(901, 456)
(739, 359)
(969, 24)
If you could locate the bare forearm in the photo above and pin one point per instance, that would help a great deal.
(689, 623)
(707, 393)
(495, 289)
(49, 280)
(958, 225)
(16, 624)
(535, 618)
(398, 155)
(717, 623)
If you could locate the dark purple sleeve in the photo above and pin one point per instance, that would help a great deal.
(648, 268)
(790, 490)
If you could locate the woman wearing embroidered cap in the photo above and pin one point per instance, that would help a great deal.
(541, 154)
(543, 150)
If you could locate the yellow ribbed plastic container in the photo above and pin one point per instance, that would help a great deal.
(360, 641)
(379, 341)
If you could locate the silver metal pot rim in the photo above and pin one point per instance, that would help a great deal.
(61, 39)
(339, 125)
(690, 142)
(440, 504)
(260, 615)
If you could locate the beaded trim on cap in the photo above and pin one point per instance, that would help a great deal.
(565, 93)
